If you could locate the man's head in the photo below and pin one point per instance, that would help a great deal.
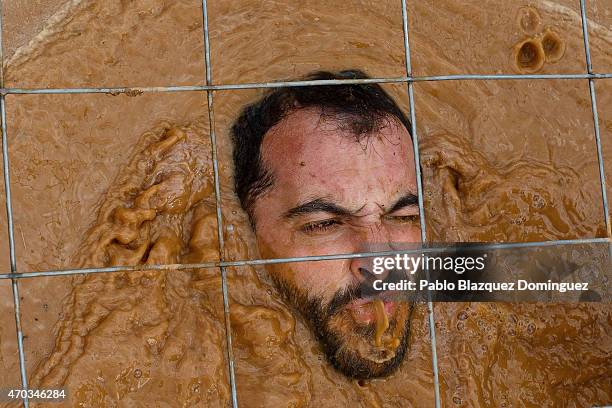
(330, 170)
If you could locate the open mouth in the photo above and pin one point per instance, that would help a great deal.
(364, 311)
(376, 310)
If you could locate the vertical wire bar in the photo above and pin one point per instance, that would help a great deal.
(585, 36)
(9, 217)
(9, 213)
(417, 163)
(213, 141)
(602, 175)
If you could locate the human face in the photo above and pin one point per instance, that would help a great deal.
(335, 194)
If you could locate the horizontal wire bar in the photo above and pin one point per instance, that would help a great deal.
(130, 91)
(315, 82)
(494, 77)
(312, 258)
(135, 91)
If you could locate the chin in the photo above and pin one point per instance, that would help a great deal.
(354, 350)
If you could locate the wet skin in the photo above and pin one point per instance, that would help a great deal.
(332, 194)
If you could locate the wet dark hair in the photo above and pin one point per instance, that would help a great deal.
(360, 108)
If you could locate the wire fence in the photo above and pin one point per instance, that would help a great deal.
(209, 88)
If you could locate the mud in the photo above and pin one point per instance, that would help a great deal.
(102, 180)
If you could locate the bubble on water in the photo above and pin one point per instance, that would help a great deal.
(553, 45)
(529, 56)
(463, 315)
(137, 373)
(460, 326)
(529, 20)
(519, 220)
(531, 328)
(538, 201)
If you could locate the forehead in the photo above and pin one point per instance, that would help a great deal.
(314, 155)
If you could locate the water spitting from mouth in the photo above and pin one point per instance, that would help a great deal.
(382, 321)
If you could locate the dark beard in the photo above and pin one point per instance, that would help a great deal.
(341, 357)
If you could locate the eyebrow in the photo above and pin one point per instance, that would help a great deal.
(317, 205)
(407, 200)
(326, 206)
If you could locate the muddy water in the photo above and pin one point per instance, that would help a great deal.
(103, 180)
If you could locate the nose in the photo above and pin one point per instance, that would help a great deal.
(373, 239)
(363, 270)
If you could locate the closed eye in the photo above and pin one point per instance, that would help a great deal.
(317, 227)
(403, 219)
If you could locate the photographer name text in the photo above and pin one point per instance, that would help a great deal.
(468, 285)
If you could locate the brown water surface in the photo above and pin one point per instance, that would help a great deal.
(103, 180)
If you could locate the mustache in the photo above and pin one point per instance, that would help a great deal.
(363, 290)
(344, 297)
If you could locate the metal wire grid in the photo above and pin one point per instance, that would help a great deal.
(409, 79)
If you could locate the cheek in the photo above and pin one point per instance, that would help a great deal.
(266, 248)
(322, 279)
(274, 242)
(403, 234)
